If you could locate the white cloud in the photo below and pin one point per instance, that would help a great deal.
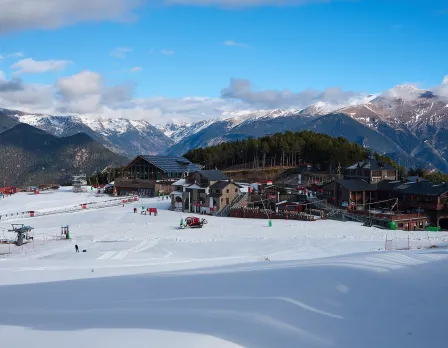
(442, 89)
(87, 92)
(136, 69)
(9, 86)
(120, 52)
(81, 84)
(235, 44)
(32, 66)
(15, 94)
(79, 93)
(17, 15)
(167, 52)
(243, 90)
(161, 110)
(11, 55)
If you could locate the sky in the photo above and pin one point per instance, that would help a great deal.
(191, 59)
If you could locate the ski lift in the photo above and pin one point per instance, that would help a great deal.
(22, 232)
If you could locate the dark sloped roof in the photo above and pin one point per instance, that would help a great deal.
(387, 185)
(415, 179)
(424, 188)
(222, 184)
(372, 164)
(171, 164)
(356, 185)
(213, 175)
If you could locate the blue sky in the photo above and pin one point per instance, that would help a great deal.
(362, 46)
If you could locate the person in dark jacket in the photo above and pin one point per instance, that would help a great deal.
(76, 248)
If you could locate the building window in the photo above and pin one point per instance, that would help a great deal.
(236, 190)
(228, 190)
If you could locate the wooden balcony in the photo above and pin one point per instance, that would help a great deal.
(422, 205)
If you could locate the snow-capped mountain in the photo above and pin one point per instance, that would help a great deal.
(405, 122)
(408, 123)
(123, 136)
(131, 136)
(323, 108)
(178, 131)
(182, 130)
(416, 119)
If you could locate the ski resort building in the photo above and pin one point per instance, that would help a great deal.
(371, 171)
(147, 175)
(204, 191)
(223, 193)
(153, 168)
(426, 198)
(343, 193)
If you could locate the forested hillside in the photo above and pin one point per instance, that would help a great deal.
(30, 156)
(281, 149)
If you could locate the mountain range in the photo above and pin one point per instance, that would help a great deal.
(406, 123)
(29, 155)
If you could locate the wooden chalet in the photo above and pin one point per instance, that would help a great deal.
(426, 198)
(145, 175)
(371, 171)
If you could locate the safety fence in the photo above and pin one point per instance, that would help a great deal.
(254, 213)
(72, 209)
(414, 240)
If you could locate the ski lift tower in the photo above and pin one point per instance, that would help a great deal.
(78, 182)
(22, 232)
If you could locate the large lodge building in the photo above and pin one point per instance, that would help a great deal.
(370, 182)
(147, 175)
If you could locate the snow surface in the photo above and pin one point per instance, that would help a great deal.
(143, 282)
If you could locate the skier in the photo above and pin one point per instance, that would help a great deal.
(76, 248)
(135, 210)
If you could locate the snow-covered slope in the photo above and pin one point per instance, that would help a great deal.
(234, 283)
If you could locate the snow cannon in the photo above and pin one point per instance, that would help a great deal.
(193, 222)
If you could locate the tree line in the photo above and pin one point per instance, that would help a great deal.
(436, 177)
(281, 149)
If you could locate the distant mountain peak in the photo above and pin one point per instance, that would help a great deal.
(405, 91)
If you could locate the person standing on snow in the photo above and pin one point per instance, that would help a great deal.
(76, 248)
